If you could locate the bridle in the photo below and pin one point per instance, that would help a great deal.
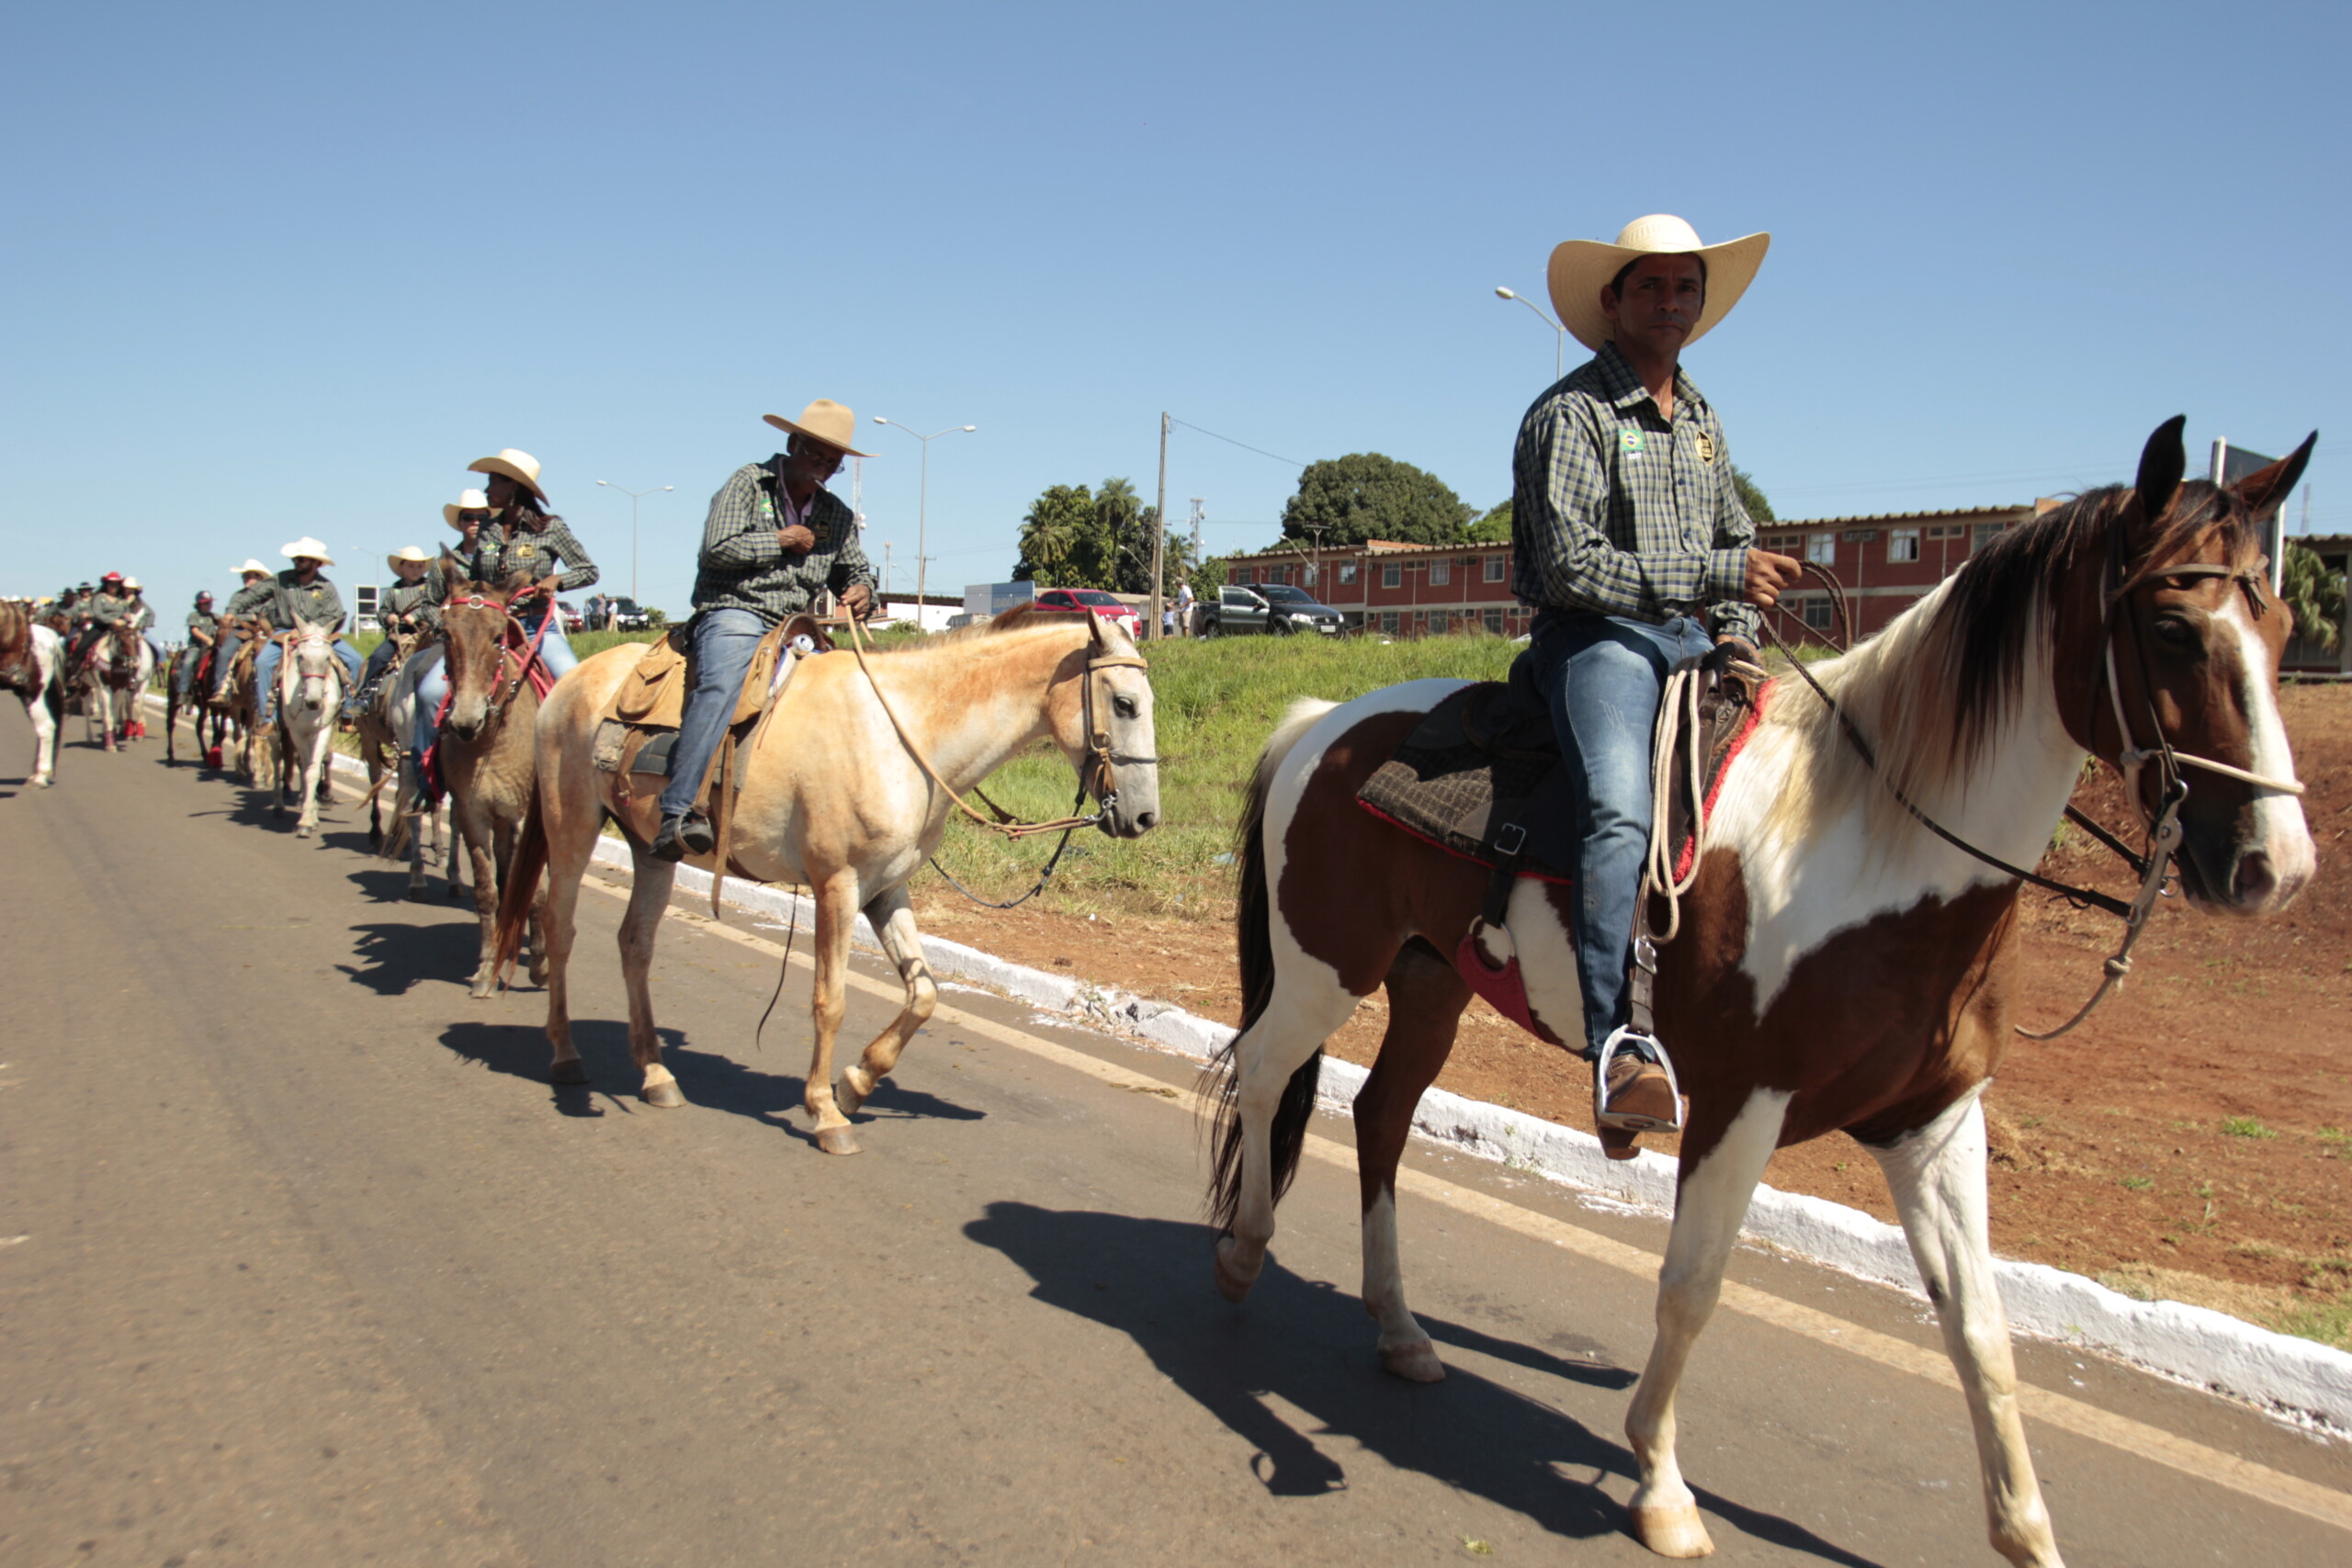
(294, 642)
(2155, 865)
(1097, 768)
(507, 647)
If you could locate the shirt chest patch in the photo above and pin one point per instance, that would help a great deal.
(1630, 442)
(1706, 445)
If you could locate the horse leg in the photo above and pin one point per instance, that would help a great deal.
(1708, 1205)
(572, 845)
(649, 895)
(1307, 1005)
(893, 919)
(1426, 995)
(1936, 1175)
(314, 775)
(836, 898)
(488, 870)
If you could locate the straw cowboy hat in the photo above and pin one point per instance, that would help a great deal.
(467, 501)
(253, 568)
(1582, 269)
(824, 421)
(307, 548)
(407, 552)
(131, 584)
(520, 467)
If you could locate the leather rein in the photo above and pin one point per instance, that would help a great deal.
(2153, 865)
(507, 649)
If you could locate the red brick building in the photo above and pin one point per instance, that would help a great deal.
(1396, 590)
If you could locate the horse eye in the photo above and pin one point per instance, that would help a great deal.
(2174, 632)
(1125, 706)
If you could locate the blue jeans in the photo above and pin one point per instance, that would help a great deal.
(555, 653)
(1602, 676)
(230, 643)
(188, 661)
(724, 641)
(265, 673)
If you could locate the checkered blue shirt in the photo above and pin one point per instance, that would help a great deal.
(1617, 512)
(743, 568)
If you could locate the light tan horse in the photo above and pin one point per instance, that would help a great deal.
(485, 748)
(833, 799)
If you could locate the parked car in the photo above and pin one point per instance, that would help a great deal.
(1275, 608)
(1096, 600)
(571, 621)
(628, 617)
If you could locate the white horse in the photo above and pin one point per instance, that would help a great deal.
(110, 684)
(309, 695)
(34, 659)
(417, 831)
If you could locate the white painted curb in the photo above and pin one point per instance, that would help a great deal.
(2195, 1345)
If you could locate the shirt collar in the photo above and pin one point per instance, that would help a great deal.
(1622, 389)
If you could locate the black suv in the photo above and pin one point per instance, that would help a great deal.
(1273, 607)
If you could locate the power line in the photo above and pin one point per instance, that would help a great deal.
(1231, 442)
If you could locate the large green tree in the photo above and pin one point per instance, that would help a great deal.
(1759, 510)
(1494, 528)
(2314, 593)
(1059, 540)
(1367, 495)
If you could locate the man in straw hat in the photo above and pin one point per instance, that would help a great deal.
(410, 603)
(302, 596)
(241, 614)
(141, 616)
(775, 538)
(1631, 545)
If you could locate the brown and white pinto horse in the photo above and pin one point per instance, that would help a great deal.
(110, 680)
(1838, 967)
(31, 658)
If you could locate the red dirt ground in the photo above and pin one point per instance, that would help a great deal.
(2188, 1141)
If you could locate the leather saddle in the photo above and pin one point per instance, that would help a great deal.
(639, 726)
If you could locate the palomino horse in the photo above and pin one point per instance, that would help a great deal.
(1838, 966)
(835, 800)
(110, 680)
(31, 658)
(309, 695)
(485, 751)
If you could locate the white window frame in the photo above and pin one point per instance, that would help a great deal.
(1392, 574)
(1821, 548)
(1903, 545)
(1494, 566)
(1347, 571)
(1441, 573)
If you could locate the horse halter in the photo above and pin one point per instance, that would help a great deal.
(497, 699)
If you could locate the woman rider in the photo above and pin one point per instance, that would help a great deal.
(519, 537)
(141, 616)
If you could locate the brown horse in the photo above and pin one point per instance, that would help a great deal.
(835, 800)
(32, 659)
(487, 760)
(210, 727)
(1838, 966)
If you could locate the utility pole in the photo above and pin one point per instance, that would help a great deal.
(1159, 532)
(634, 497)
(1319, 530)
(886, 572)
(1199, 515)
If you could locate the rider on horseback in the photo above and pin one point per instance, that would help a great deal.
(1633, 546)
(300, 596)
(98, 612)
(255, 590)
(409, 605)
(203, 632)
(141, 616)
(775, 538)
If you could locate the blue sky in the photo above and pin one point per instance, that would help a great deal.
(275, 271)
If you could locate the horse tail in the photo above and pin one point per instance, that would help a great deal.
(1253, 925)
(522, 886)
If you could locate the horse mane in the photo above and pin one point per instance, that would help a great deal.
(1933, 689)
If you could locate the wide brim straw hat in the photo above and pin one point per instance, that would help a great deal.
(253, 566)
(307, 548)
(520, 467)
(1582, 268)
(133, 585)
(824, 421)
(407, 552)
(467, 501)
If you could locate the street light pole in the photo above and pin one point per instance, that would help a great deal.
(922, 504)
(633, 497)
(1560, 333)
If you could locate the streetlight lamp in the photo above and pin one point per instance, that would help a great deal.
(922, 504)
(633, 496)
(1560, 333)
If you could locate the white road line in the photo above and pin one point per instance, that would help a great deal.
(2258, 1482)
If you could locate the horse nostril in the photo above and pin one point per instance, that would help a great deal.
(2256, 879)
(1148, 818)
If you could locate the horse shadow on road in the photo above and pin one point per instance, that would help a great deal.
(710, 1081)
(1310, 1346)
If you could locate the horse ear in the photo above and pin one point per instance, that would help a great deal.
(2162, 462)
(2265, 489)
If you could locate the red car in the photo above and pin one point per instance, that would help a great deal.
(1096, 600)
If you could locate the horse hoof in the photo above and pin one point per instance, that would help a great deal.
(539, 972)
(574, 1071)
(419, 895)
(853, 1089)
(1415, 1362)
(664, 1095)
(1672, 1530)
(1229, 1285)
(483, 990)
(837, 1140)
(303, 833)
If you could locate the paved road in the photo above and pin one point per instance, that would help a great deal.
(313, 1268)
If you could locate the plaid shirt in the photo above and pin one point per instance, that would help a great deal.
(500, 554)
(1617, 512)
(290, 602)
(420, 601)
(743, 568)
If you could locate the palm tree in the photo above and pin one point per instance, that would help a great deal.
(2315, 595)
